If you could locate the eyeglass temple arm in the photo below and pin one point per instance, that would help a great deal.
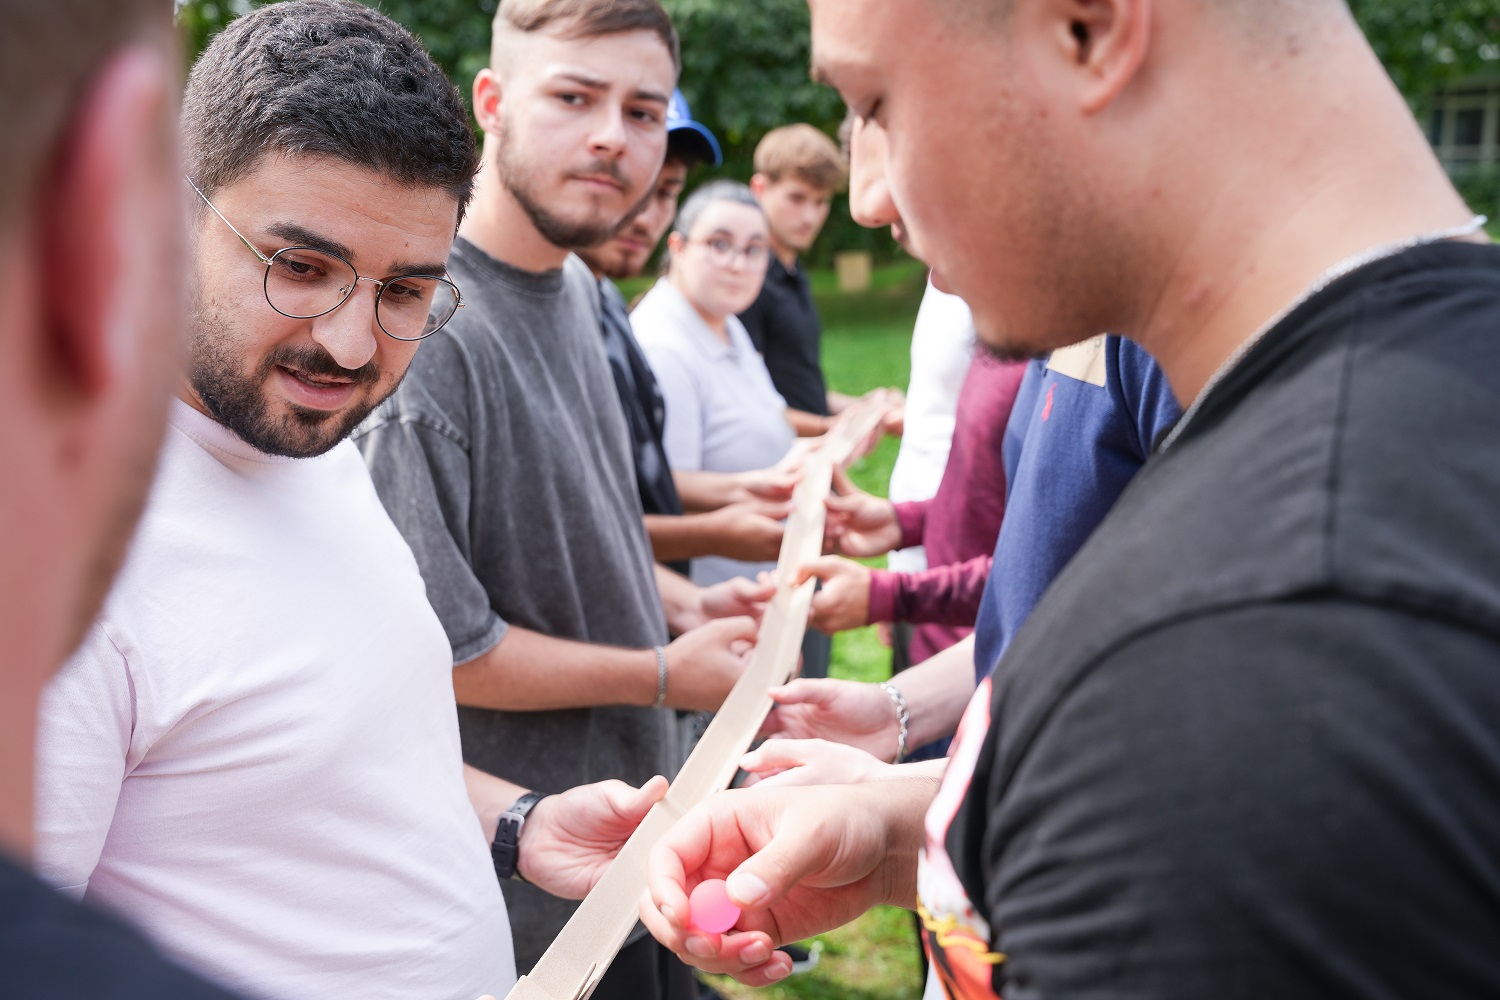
(263, 258)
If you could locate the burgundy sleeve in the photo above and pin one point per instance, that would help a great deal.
(912, 517)
(941, 595)
(883, 585)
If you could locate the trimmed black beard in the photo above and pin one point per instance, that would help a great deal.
(238, 402)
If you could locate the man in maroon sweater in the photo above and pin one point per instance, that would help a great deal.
(961, 522)
(958, 527)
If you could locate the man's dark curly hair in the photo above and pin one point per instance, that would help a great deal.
(330, 78)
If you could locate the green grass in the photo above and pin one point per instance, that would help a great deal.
(873, 958)
(866, 344)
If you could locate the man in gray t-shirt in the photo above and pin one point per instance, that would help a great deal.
(505, 460)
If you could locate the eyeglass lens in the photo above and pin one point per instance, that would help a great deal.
(722, 252)
(303, 283)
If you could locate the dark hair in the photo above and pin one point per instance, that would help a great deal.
(710, 194)
(588, 19)
(48, 54)
(331, 78)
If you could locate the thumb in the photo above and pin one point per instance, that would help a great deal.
(775, 755)
(769, 509)
(774, 870)
(847, 504)
(808, 691)
(734, 630)
(635, 803)
(746, 589)
(823, 568)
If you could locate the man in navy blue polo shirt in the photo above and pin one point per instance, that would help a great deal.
(735, 516)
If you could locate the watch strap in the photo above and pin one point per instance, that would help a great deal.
(506, 849)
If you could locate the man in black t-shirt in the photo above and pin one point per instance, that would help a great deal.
(798, 170)
(1247, 744)
(89, 231)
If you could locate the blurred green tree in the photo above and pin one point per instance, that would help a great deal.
(1426, 44)
(745, 64)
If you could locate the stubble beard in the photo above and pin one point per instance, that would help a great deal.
(519, 178)
(240, 401)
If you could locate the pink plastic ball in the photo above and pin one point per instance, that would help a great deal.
(710, 908)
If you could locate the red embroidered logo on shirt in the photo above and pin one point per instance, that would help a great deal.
(1047, 410)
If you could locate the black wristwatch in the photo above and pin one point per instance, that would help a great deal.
(506, 850)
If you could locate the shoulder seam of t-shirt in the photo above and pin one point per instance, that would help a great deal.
(1332, 479)
(479, 259)
(407, 416)
(135, 689)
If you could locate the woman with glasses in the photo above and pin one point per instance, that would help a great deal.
(723, 413)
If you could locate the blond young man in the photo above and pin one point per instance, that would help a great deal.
(798, 170)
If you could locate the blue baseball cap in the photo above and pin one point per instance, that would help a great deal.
(689, 137)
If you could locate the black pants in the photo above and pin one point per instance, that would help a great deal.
(900, 647)
(647, 971)
(816, 650)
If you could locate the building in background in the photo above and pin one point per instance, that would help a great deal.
(1463, 125)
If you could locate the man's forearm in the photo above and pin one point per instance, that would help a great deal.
(490, 796)
(838, 402)
(808, 424)
(937, 691)
(681, 600)
(943, 595)
(530, 672)
(705, 491)
(905, 805)
(678, 538)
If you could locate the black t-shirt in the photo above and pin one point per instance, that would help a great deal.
(784, 327)
(645, 409)
(1248, 744)
(52, 948)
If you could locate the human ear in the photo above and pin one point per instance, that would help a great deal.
(758, 185)
(487, 99)
(1106, 40)
(113, 231)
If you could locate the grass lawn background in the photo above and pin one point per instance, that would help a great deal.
(866, 344)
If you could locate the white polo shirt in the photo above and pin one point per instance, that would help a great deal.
(723, 413)
(254, 756)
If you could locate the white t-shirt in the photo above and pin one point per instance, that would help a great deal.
(254, 755)
(942, 346)
(723, 412)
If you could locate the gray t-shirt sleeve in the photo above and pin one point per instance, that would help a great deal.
(422, 474)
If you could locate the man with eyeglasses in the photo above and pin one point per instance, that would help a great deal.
(254, 754)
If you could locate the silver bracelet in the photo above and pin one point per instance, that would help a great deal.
(903, 717)
(661, 677)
